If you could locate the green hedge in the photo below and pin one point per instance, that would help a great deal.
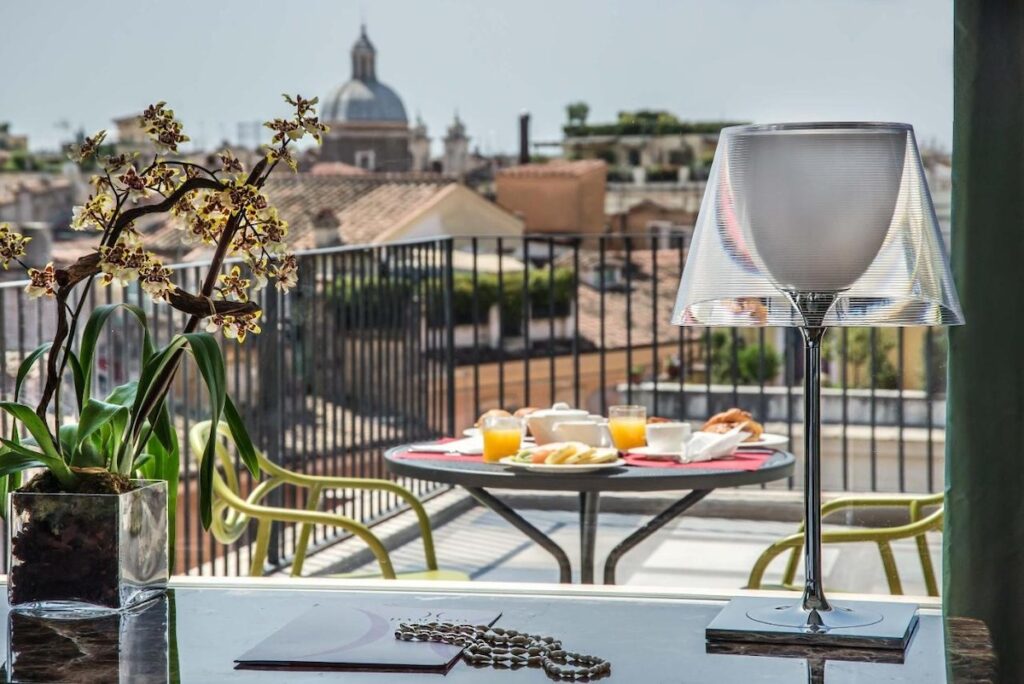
(646, 126)
(541, 296)
(362, 302)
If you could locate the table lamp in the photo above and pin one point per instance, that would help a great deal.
(815, 225)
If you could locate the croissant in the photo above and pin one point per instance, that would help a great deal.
(727, 420)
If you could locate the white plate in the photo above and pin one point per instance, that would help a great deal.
(561, 467)
(767, 440)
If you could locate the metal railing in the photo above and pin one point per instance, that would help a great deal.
(379, 345)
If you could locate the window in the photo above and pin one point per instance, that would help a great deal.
(366, 159)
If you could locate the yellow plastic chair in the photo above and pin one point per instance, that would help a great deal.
(916, 529)
(232, 512)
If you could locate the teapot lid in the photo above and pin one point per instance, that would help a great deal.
(557, 407)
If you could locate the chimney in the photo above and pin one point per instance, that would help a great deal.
(40, 248)
(524, 138)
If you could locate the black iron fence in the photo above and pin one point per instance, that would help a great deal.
(381, 345)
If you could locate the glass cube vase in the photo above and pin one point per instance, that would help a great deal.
(127, 647)
(87, 553)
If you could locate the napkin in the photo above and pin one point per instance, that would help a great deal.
(707, 446)
(469, 445)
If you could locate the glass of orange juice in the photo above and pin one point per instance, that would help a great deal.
(628, 426)
(503, 436)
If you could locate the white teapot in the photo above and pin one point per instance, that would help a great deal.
(542, 423)
(592, 431)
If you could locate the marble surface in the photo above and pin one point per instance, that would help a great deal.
(194, 634)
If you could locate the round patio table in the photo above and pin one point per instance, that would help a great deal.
(477, 477)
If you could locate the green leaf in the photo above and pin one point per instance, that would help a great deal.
(26, 366)
(98, 414)
(16, 458)
(243, 443)
(34, 424)
(78, 375)
(151, 370)
(91, 336)
(210, 363)
(123, 395)
(163, 464)
(68, 437)
(8, 483)
(48, 455)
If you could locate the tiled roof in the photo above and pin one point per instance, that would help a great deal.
(647, 301)
(363, 207)
(555, 168)
(337, 169)
(10, 183)
(622, 198)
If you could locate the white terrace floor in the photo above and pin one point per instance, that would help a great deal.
(691, 552)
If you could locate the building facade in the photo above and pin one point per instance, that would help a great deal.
(556, 198)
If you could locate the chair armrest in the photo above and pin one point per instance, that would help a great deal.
(330, 482)
(887, 501)
(305, 517)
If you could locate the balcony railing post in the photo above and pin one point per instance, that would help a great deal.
(270, 408)
(449, 323)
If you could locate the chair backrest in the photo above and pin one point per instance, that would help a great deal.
(229, 519)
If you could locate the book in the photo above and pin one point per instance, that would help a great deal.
(360, 637)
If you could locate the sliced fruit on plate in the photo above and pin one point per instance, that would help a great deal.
(603, 456)
(566, 451)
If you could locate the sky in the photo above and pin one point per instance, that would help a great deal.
(218, 63)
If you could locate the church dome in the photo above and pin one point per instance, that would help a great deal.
(363, 98)
(361, 101)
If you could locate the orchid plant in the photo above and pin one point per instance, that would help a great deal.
(128, 433)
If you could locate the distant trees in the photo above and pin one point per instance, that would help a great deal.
(753, 363)
(577, 113)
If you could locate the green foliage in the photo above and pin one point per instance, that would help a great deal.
(618, 174)
(550, 294)
(858, 355)
(933, 374)
(755, 366)
(752, 366)
(577, 113)
(662, 174)
(646, 122)
(362, 301)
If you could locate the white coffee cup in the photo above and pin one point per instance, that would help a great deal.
(668, 437)
(589, 432)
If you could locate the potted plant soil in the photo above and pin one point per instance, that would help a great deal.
(90, 531)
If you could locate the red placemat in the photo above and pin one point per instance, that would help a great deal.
(742, 460)
(433, 456)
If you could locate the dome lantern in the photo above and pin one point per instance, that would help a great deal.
(364, 58)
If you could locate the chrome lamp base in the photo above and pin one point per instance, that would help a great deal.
(854, 624)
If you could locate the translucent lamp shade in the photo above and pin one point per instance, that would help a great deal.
(840, 210)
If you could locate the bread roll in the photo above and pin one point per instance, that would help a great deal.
(496, 413)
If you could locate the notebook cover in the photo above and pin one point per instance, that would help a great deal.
(331, 637)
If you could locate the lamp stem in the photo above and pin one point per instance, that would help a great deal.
(814, 591)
